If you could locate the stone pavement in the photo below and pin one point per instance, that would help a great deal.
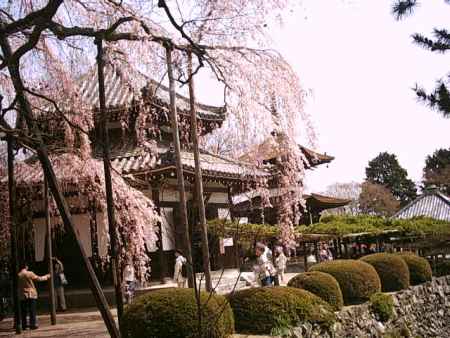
(75, 325)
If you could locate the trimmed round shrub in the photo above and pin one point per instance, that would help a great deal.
(264, 310)
(321, 284)
(358, 280)
(419, 268)
(382, 305)
(172, 312)
(392, 270)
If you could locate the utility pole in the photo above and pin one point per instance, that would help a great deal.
(51, 282)
(115, 264)
(179, 166)
(13, 235)
(198, 179)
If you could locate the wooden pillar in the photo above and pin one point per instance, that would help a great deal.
(316, 251)
(339, 247)
(51, 282)
(115, 260)
(13, 236)
(305, 256)
(236, 235)
(336, 248)
(162, 259)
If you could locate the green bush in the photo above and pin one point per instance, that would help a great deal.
(173, 312)
(358, 280)
(392, 270)
(264, 310)
(321, 284)
(442, 268)
(419, 268)
(382, 305)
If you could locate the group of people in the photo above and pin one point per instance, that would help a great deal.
(28, 294)
(269, 271)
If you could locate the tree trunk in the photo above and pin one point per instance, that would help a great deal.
(115, 259)
(13, 234)
(63, 208)
(51, 281)
(198, 180)
(179, 169)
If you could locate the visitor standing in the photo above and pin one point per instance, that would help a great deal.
(180, 274)
(130, 282)
(28, 295)
(280, 263)
(60, 281)
(266, 270)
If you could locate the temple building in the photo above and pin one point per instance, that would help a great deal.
(146, 162)
(249, 204)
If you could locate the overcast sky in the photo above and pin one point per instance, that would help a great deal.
(359, 64)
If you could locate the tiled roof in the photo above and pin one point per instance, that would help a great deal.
(432, 204)
(315, 158)
(129, 160)
(122, 86)
(270, 149)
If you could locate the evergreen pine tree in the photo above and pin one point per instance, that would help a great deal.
(439, 98)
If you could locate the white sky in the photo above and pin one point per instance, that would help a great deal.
(359, 64)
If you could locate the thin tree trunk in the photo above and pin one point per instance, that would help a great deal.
(115, 260)
(13, 235)
(51, 281)
(179, 168)
(41, 151)
(198, 180)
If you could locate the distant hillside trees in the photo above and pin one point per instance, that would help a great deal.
(386, 171)
(437, 170)
(376, 199)
(349, 190)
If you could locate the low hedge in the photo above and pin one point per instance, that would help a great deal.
(392, 270)
(321, 284)
(263, 310)
(382, 305)
(358, 280)
(419, 268)
(442, 268)
(173, 312)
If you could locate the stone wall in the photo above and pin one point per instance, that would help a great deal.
(420, 311)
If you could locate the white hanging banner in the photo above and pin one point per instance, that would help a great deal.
(40, 230)
(168, 233)
(82, 225)
(102, 234)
